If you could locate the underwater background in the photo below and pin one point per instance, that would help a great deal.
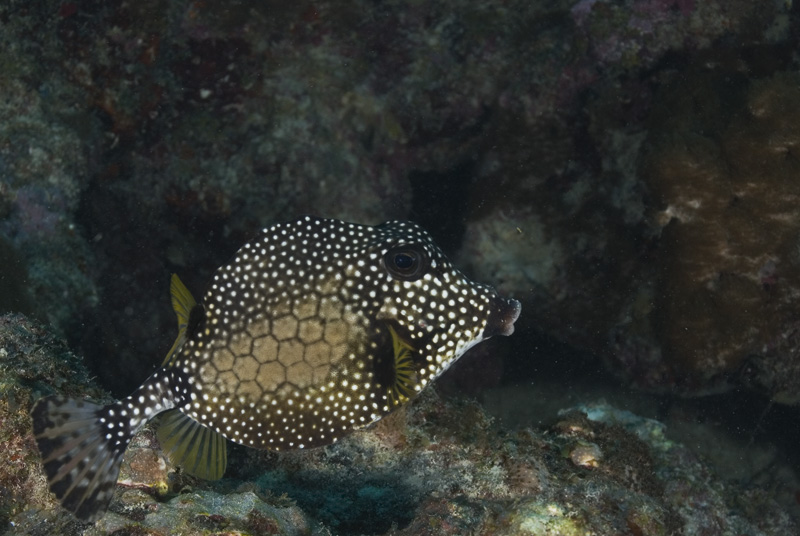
(629, 170)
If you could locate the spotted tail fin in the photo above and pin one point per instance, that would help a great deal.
(82, 446)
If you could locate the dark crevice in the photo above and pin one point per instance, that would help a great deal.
(440, 203)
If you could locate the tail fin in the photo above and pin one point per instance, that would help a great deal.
(82, 446)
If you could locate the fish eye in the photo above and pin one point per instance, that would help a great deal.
(403, 261)
(406, 262)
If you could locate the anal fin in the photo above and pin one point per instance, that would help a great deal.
(200, 451)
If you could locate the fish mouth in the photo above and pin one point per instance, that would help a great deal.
(502, 315)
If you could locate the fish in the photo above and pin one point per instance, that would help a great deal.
(314, 329)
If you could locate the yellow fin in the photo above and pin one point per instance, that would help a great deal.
(182, 304)
(405, 377)
(200, 451)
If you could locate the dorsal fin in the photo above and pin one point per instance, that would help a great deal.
(182, 303)
(200, 451)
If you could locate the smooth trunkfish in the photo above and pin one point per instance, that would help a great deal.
(315, 329)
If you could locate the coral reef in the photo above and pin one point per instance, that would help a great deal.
(722, 173)
(142, 140)
(43, 168)
(624, 168)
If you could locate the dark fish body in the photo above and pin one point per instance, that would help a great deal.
(314, 329)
